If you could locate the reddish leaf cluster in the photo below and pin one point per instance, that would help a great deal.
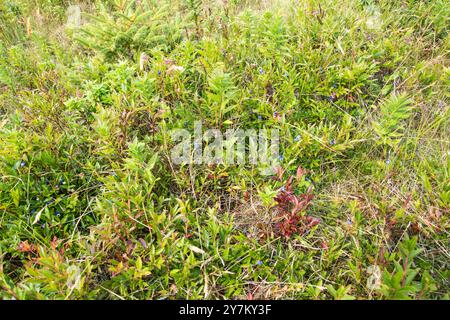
(291, 206)
(24, 246)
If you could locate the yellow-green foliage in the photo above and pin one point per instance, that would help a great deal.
(92, 207)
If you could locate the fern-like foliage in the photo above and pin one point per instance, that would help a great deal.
(134, 26)
(389, 126)
(222, 92)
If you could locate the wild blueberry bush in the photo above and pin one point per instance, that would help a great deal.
(92, 206)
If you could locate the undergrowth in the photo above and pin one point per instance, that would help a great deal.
(92, 207)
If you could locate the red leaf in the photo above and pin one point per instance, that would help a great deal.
(24, 246)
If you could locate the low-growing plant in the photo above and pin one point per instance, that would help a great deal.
(93, 206)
